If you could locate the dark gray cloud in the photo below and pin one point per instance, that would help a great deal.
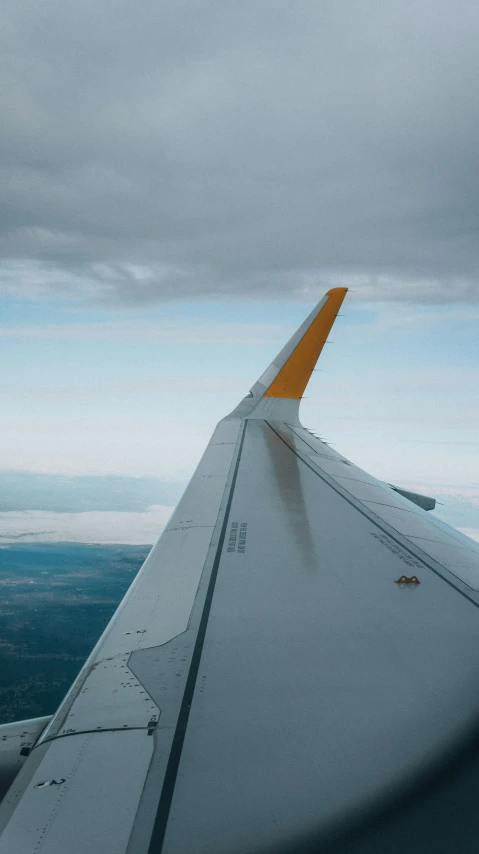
(169, 149)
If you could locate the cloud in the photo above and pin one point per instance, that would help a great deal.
(458, 507)
(36, 526)
(165, 150)
(100, 444)
(202, 332)
(420, 318)
(139, 528)
(24, 490)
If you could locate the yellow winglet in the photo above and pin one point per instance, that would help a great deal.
(296, 372)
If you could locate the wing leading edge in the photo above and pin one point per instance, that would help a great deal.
(266, 683)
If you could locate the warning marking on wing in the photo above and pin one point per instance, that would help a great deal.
(237, 537)
(398, 550)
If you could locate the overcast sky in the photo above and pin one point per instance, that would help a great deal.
(165, 148)
(181, 182)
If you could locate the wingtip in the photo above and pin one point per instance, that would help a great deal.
(336, 291)
(292, 379)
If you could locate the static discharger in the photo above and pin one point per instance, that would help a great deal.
(405, 580)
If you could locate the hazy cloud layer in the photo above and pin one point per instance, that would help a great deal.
(109, 526)
(63, 494)
(166, 149)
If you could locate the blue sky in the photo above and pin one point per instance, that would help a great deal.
(135, 392)
(178, 191)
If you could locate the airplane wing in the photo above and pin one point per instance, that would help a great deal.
(294, 668)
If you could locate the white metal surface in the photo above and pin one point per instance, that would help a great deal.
(83, 796)
(160, 604)
(463, 563)
(110, 698)
(16, 742)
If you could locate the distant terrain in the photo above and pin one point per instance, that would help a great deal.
(55, 600)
